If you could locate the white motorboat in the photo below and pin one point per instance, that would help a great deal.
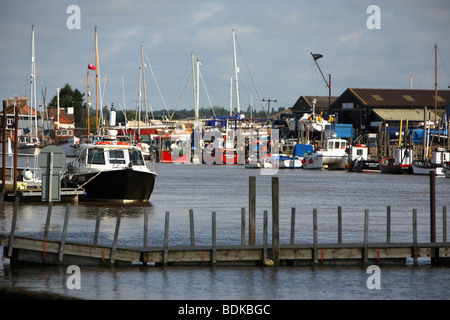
(333, 157)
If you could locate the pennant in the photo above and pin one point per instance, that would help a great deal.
(91, 67)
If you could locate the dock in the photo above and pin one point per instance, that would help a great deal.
(43, 250)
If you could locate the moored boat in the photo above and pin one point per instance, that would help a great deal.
(111, 172)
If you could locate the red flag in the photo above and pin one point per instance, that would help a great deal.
(91, 66)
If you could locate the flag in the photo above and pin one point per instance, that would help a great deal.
(91, 67)
(317, 56)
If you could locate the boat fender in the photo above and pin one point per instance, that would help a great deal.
(303, 161)
(310, 160)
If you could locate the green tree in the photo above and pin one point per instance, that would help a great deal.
(71, 98)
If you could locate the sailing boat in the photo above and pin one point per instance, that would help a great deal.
(28, 141)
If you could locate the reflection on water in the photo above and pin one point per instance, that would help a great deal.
(224, 189)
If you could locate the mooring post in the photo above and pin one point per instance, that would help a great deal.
(97, 226)
(191, 226)
(252, 210)
(444, 223)
(388, 224)
(116, 237)
(145, 240)
(292, 225)
(339, 224)
(213, 238)
(64, 233)
(243, 226)
(47, 221)
(315, 238)
(275, 221)
(265, 235)
(166, 239)
(433, 206)
(13, 226)
(415, 237)
(366, 237)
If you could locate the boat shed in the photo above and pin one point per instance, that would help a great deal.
(368, 108)
(304, 104)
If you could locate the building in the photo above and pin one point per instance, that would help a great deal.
(305, 104)
(368, 108)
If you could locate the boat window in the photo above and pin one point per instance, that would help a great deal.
(330, 145)
(337, 145)
(136, 157)
(116, 157)
(96, 156)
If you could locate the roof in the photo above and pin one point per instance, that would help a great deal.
(23, 110)
(321, 102)
(402, 114)
(400, 97)
(64, 117)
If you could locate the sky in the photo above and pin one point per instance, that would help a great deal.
(274, 41)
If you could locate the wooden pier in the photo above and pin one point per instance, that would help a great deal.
(61, 252)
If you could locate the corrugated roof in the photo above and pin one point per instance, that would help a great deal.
(401, 97)
(398, 114)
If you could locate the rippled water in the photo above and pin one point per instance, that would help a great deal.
(224, 189)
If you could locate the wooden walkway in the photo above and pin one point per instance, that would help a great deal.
(61, 252)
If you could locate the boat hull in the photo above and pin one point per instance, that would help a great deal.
(388, 166)
(422, 168)
(125, 185)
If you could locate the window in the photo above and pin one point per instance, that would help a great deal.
(136, 157)
(377, 97)
(96, 156)
(116, 157)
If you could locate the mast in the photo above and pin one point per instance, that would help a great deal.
(236, 71)
(145, 86)
(88, 105)
(231, 96)
(32, 103)
(435, 85)
(96, 79)
(197, 114)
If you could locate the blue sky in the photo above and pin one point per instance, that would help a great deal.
(274, 39)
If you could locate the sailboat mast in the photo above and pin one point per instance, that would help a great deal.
(96, 79)
(435, 84)
(197, 92)
(88, 105)
(145, 86)
(32, 103)
(194, 85)
(236, 71)
(231, 96)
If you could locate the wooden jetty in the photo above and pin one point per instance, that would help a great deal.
(61, 252)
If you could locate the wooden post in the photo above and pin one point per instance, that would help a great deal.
(97, 226)
(47, 221)
(16, 145)
(116, 237)
(388, 224)
(433, 206)
(315, 238)
(252, 211)
(213, 238)
(166, 239)
(415, 237)
(191, 226)
(366, 237)
(339, 224)
(265, 235)
(243, 226)
(145, 227)
(275, 222)
(64, 233)
(292, 225)
(444, 223)
(4, 151)
(13, 226)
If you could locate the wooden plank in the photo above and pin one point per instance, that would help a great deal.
(213, 240)
(97, 225)
(275, 221)
(191, 226)
(252, 210)
(366, 236)
(166, 239)
(292, 226)
(315, 237)
(13, 226)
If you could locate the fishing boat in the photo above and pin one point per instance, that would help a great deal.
(401, 163)
(438, 158)
(333, 157)
(359, 161)
(110, 171)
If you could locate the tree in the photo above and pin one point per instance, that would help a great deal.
(71, 98)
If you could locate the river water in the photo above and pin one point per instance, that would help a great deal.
(224, 189)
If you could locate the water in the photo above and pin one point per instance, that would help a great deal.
(224, 189)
